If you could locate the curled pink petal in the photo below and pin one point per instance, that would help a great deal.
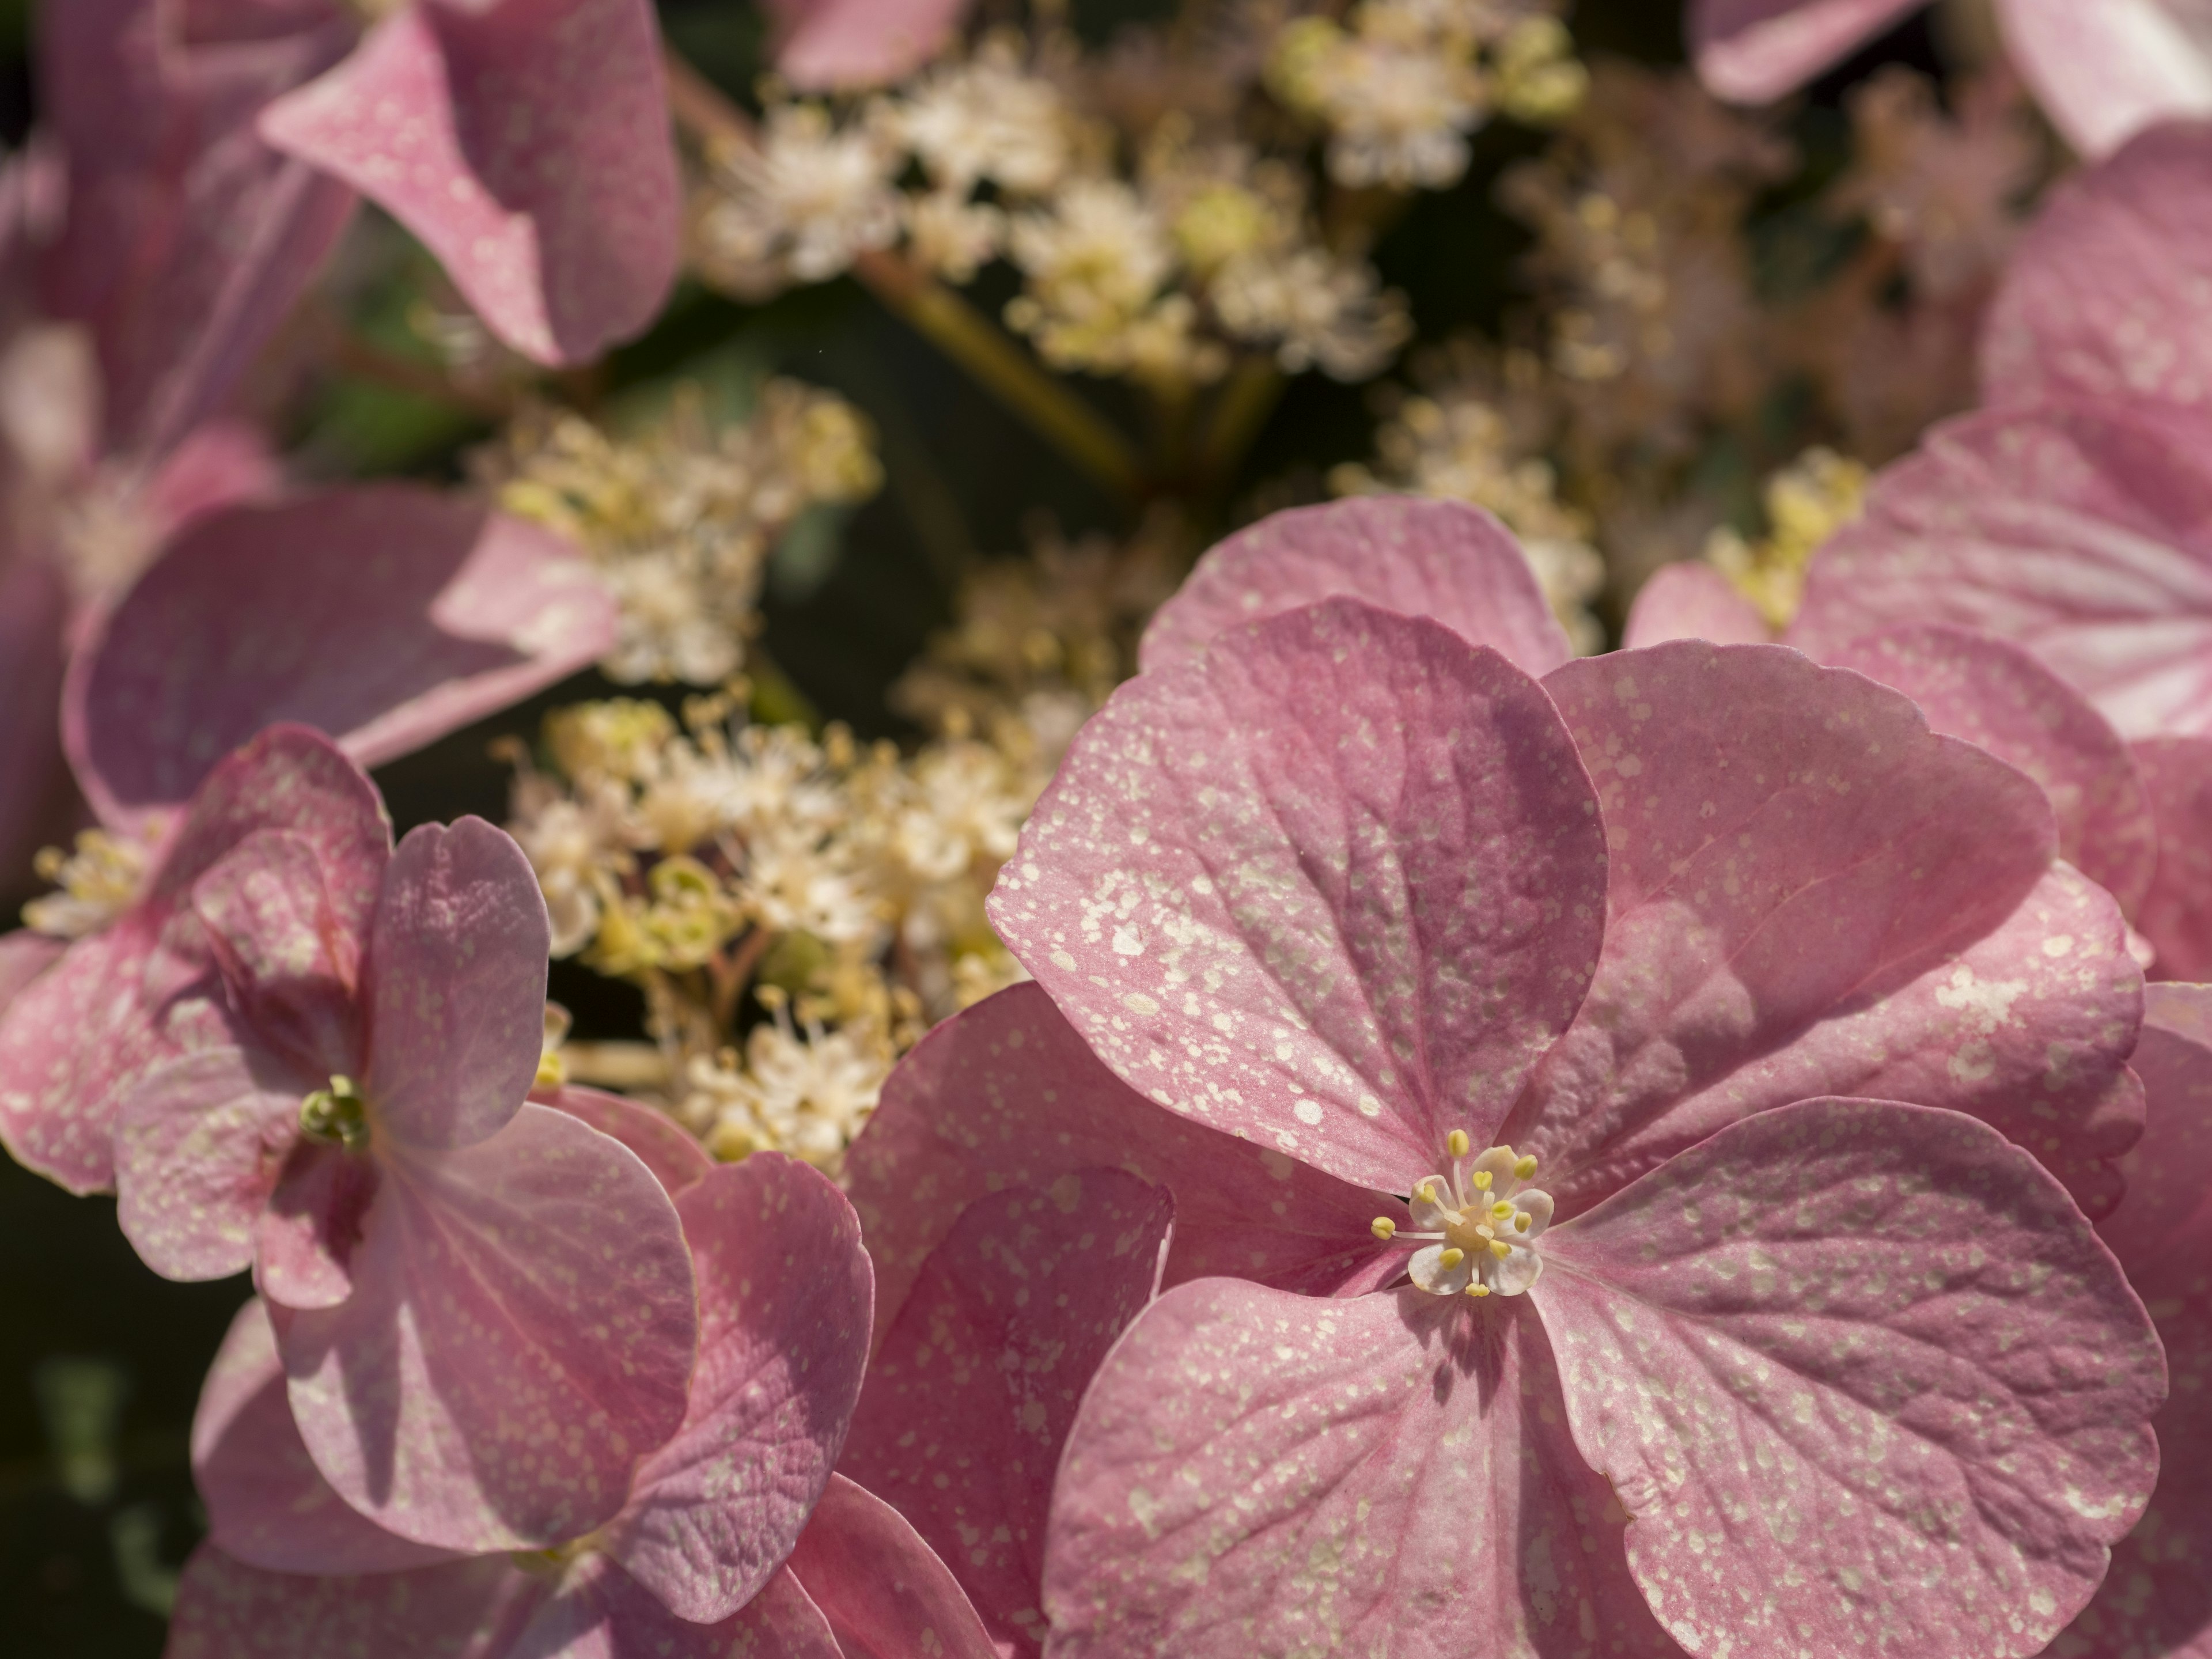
(461, 1610)
(386, 615)
(1863, 1308)
(883, 1590)
(785, 1302)
(671, 1153)
(1443, 560)
(1336, 887)
(267, 1505)
(843, 45)
(2081, 531)
(1997, 697)
(1007, 1097)
(1812, 893)
(1251, 1467)
(1753, 52)
(2103, 72)
(2176, 915)
(2104, 295)
(521, 1334)
(456, 982)
(970, 1399)
(1692, 601)
(526, 143)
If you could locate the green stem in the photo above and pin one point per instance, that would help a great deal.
(1255, 386)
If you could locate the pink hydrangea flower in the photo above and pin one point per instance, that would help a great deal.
(483, 1306)
(846, 45)
(2102, 71)
(734, 1535)
(526, 143)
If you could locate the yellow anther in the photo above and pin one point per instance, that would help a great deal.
(1521, 1222)
(1457, 1141)
(1501, 1210)
(1385, 1229)
(1450, 1257)
(1477, 1289)
(1428, 1187)
(1524, 1168)
(1500, 1249)
(1482, 1181)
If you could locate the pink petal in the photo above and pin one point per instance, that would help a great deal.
(414, 614)
(305, 1240)
(267, 1506)
(1692, 601)
(1005, 1097)
(840, 45)
(2082, 531)
(1811, 894)
(1252, 1469)
(1869, 1359)
(1995, 696)
(464, 1610)
(785, 1299)
(290, 966)
(599, 1612)
(219, 464)
(520, 1334)
(2104, 296)
(526, 143)
(971, 1398)
(884, 1591)
(1444, 560)
(2104, 72)
(673, 1153)
(1336, 887)
(456, 985)
(198, 1148)
(24, 956)
(1753, 52)
(2176, 915)
(2156, 1599)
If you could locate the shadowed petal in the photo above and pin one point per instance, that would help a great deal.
(456, 984)
(2176, 915)
(386, 615)
(304, 1242)
(2082, 531)
(267, 1505)
(1692, 601)
(526, 143)
(1753, 52)
(969, 1401)
(834, 45)
(2103, 72)
(1870, 1357)
(464, 1610)
(1335, 887)
(882, 1589)
(1995, 696)
(1005, 1097)
(520, 1332)
(784, 1310)
(1444, 560)
(33, 651)
(600, 1612)
(1813, 894)
(671, 1153)
(289, 969)
(1252, 1467)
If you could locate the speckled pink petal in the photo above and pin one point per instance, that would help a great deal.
(830, 45)
(1997, 696)
(1005, 1097)
(1813, 895)
(2105, 293)
(1690, 600)
(24, 956)
(785, 1301)
(671, 1153)
(199, 1147)
(68, 1043)
(267, 1506)
(455, 978)
(599, 1612)
(1444, 560)
(884, 1591)
(386, 615)
(2157, 1599)
(1251, 1469)
(2104, 72)
(1336, 887)
(1753, 52)
(290, 967)
(970, 1399)
(305, 1240)
(463, 1610)
(2176, 915)
(2082, 531)
(1864, 1381)
(526, 142)
(520, 1332)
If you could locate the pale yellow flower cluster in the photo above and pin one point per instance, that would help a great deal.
(1806, 502)
(98, 880)
(681, 514)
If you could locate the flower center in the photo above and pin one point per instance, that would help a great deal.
(1478, 1224)
(337, 1115)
